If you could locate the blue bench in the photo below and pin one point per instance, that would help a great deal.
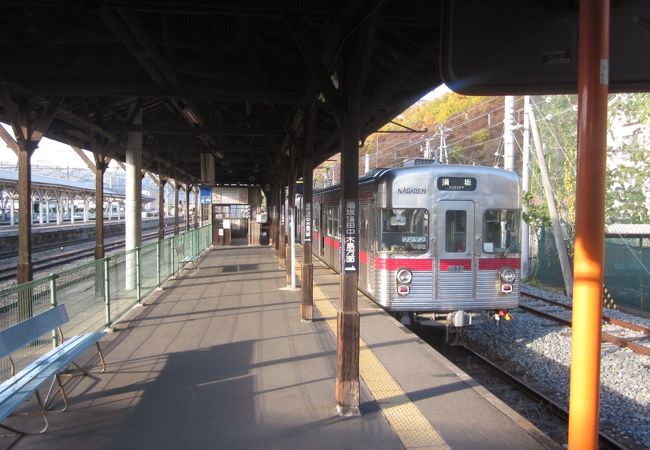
(21, 385)
(185, 260)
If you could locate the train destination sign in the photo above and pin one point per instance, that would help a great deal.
(456, 183)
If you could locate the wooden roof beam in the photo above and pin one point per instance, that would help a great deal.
(132, 34)
(319, 71)
(9, 140)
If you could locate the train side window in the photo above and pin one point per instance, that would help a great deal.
(332, 229)
(455, 231)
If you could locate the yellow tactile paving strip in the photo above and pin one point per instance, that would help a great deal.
(412, 428)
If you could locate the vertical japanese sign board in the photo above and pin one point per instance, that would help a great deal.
(307, 222)
(349, 250)
(205, 195)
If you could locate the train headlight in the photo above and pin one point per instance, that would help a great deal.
(404, 276)
(508, 275)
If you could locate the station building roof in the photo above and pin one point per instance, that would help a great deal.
(11, 177)
(236, 80)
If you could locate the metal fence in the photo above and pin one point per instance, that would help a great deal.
(95, 294)
(627, 268)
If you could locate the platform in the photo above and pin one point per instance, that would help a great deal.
(220, 359)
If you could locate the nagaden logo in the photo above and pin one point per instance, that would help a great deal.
(411, 190)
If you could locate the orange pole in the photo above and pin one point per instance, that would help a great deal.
(593, 62)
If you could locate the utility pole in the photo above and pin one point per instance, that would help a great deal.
(508, 129)
(565, 265)
(525, 188)
(441, 155)
(427, 149)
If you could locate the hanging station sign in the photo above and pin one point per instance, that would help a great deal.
(229, 196)
(205, 195)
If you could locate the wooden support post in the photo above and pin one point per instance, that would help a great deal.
(99, 147)
(307, 285)
(28, 132)
(24, 268)
(276, 221)
(177, 187)
(593, 79)
(162, 181)
(100, 167)
(197, 205)
(307, 299)
(348, 319)
(289, 220)
(187, 206)
(282, 248)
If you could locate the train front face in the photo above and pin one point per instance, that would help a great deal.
(448, 241)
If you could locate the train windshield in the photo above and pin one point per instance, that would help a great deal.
(404, 230)
(501, 231)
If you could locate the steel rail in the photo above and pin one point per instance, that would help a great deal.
(607, 337)
(556, 408)
(7, 273)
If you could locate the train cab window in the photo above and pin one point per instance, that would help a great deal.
(501, 228)
(404, 230)
(456, 231)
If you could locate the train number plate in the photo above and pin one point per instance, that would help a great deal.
(455, 269)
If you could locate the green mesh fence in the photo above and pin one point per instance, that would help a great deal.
(627, 268)
(81, 290)
(123, 283)
(166, 257)
(19, 303)
(545, 264)
(148, 269)
(627, 272)
(95, 294)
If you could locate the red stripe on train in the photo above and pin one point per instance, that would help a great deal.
(411, 264)
(332, 242)
(363, 257)
(444, 264)
(498, 263)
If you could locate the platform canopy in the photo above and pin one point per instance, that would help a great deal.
(233, 79)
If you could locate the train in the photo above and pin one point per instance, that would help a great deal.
(438, 243)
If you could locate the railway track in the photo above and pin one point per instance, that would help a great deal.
(616, 331)
(606, 441)
(9, 272)
(526, 397)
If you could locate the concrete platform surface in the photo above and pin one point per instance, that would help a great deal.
(221, 360)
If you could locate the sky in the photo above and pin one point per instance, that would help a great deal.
(49, 153)
(56, 154)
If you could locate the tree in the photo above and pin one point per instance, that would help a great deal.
(628, 174)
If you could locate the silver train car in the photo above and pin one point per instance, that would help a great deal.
(437, 242)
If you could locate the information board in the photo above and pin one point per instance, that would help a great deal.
(229, 196)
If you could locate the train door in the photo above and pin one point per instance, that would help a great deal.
(363, 245)
(455, 252)
(371, 237)
(323, 230)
